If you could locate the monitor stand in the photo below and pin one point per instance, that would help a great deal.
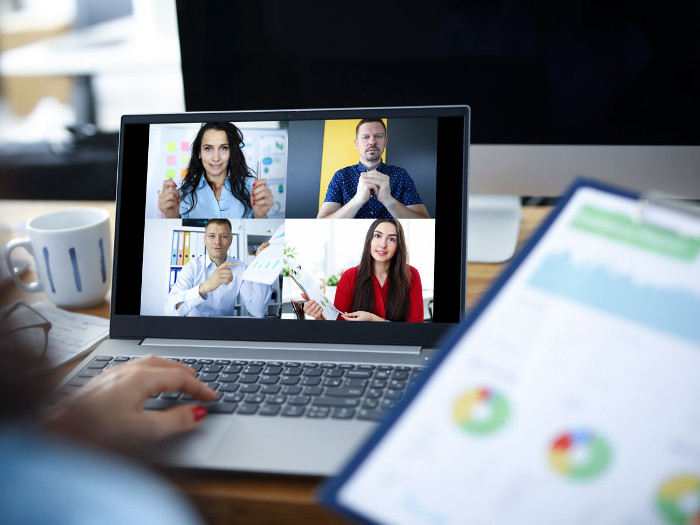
(493, 226)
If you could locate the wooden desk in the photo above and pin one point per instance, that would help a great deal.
(244, 498)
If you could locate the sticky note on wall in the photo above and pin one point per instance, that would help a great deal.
(169, 146)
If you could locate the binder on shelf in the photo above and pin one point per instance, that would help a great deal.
(186, 250)
(181, 248)
(547, 386)
(176, 238)
(173, 278)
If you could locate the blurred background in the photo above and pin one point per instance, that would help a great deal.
(68, 70)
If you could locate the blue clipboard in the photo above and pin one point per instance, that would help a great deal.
(330, 492)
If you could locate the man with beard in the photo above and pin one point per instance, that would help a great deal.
(372, 189)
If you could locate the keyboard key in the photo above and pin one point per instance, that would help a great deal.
(313, 391)
(270, 389)
(269, 380)
(232, 369)
(358, 374)
(292, 371)
(247, 410)
(379, 383)
(272, 370)
(212, 384)
(346, 366)
(335, 402)
(250, 389)
(254, 398)
(97, 365)
(293, 411)
(317, 412)
(387, 404)
(252, 369)
(311, 381)
(269, 410)
(397, 385)
(258, 363)
(400, 376)
(212, 369)
(248, 378)
(310, 365)
(356, 382)
(233, 398)
(240, 362)
(89, 373)
(121, 358)
(207, 377)
(275, 363)
(222, 362)
(299, 400)
(370, 415)
(332, 381)
(366, 367)
(345, 392)
(292, 390)
(384, 368)
(205, 361)
(275, 400)
(313, 372)
(103, 358)
(292, 364)
(343, 413)
(196, 366)
(187, 361)
(228, 378)
(173, 359)
(219, 408)
(328, 365)
(229, 387)
(289, 380)
(393, 394)
(370, 403)
(334, 372)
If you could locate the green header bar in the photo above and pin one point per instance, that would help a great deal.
(622, 228)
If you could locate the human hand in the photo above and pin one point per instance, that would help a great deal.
(261, 248)
(222, 275)
(381, 184)
(312, 308)
(361, 316)
(261, 199)
(169, 200)
(364, 190)
(108, 411)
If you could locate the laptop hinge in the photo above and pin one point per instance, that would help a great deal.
(262, 345)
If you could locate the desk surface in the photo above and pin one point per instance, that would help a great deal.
(250, 499)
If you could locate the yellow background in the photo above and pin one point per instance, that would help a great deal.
(339, 151)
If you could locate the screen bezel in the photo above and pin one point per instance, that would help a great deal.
(451, 207)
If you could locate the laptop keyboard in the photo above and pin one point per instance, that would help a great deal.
(283, 388)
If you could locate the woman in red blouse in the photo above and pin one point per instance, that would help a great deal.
(383, 287)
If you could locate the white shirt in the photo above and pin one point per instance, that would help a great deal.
(227, 207)
(220, 302)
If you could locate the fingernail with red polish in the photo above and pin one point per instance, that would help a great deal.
(199, 413)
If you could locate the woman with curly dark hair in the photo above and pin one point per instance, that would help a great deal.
(383, 287)
(218, 184)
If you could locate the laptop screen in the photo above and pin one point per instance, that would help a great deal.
(301, 226)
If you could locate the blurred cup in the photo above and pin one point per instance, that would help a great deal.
(72, 255)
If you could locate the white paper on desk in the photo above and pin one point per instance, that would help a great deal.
(572, 398)
(266, 267)
(313, 291)
(72, 335)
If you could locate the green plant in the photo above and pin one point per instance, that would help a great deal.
(333, 280)
(290, 253)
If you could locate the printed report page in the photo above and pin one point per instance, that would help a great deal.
(574, 397)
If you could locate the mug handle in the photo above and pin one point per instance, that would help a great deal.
(26, 244)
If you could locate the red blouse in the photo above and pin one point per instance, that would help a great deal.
(346, 290)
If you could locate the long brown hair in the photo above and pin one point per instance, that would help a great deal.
(398, 296)
(238, 169)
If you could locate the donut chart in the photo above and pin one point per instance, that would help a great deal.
(579, 454)
(678, 500)
(481, 411)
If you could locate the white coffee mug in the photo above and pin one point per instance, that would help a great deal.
(72, 255)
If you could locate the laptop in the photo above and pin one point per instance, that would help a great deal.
(296, 395)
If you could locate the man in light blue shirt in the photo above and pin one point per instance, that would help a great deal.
(210, 286)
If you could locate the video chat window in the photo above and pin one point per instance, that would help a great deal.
(298, 161)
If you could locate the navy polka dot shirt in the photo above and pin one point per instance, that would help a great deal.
(343, 186)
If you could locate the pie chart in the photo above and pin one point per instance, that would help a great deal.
(481, 411)
(678, 500)
(579, 454)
